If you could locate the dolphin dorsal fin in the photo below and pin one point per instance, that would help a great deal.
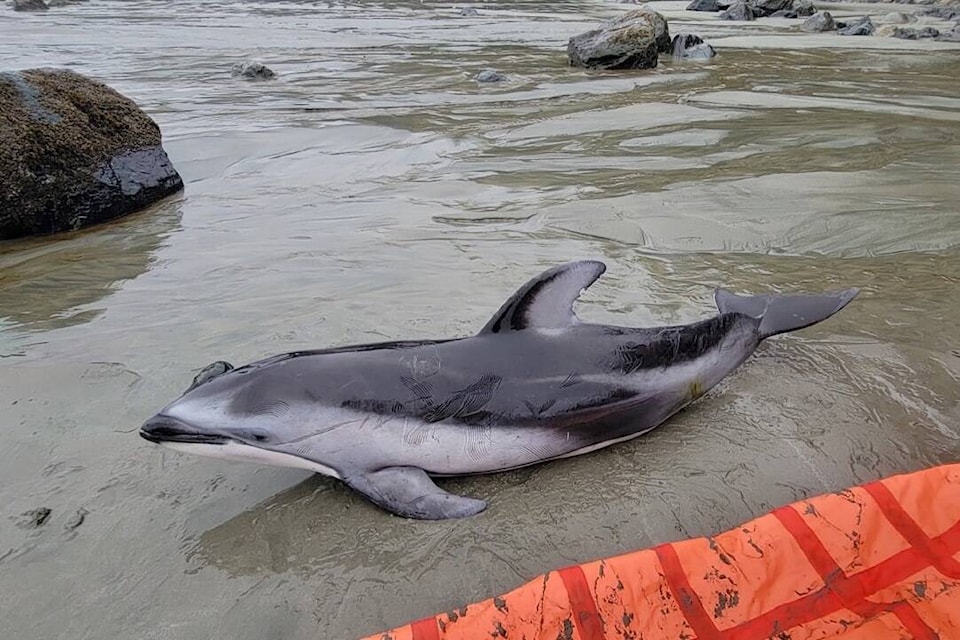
(546, 302)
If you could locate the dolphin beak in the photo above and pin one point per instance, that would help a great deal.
(162, 429)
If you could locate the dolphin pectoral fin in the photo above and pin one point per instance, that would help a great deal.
(546, 301)
(409, 492)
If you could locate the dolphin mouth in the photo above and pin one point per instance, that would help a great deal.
(162, 429)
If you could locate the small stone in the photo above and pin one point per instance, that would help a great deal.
(687, 46)
(862, 26)
(819, 22)
(490, 75)
(252, 70)
(29, 5)
(784, 13)
(703, 5)
(76, 519)
(469, 12)
(738, 11)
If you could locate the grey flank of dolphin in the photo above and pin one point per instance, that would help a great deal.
(535, 384)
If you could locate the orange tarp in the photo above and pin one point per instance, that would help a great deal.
(874, 562)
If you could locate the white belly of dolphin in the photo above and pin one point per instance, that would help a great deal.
(246, 453)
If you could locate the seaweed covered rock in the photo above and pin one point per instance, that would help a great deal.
(633, 40)
(73, 153)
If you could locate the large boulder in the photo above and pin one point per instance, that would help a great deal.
(74, 152)
(633, 40)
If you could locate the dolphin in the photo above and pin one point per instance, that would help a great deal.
(535, 384)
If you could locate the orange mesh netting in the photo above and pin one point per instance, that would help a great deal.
(874, 562)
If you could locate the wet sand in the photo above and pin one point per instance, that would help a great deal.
(375, 191)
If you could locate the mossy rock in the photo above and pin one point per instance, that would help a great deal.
(73, 153)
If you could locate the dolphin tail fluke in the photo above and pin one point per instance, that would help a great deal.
(782, 313)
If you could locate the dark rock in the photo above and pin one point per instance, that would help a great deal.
(73, 153)
(29, 5)
(703, 5)
(630, 41)
(35, 518)
(252, 70)
(906, 33)
(764, 8)
(804, 8)
(63, 3)
(784, 13)
(738, 11)
(469, 12)
(687, 46)
(944, 13)
(490, 75)
(862, 26)
(818, 22)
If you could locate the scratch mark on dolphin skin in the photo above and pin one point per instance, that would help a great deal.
(478, 442)
(573, 379)
(274, 408)
(328, 429)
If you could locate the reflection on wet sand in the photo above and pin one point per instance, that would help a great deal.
(44, 281)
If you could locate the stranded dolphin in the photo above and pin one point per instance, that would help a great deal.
(535, 384)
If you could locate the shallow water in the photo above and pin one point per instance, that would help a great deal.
(375, 191)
